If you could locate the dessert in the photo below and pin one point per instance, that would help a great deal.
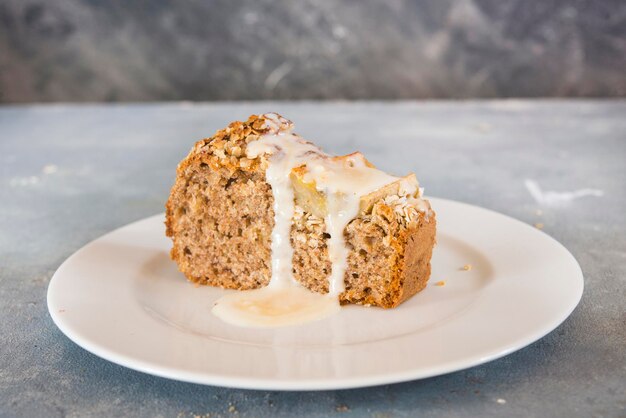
(258, 207)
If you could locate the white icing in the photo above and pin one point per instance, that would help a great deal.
(286, 152)
(343, 181)
(274, 306)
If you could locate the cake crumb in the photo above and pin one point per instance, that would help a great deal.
(49, 169)
(232, 409)
(342, 408)
(440, 283)
(501, 401)
(539, 225)
(467, 267)
(483, 127)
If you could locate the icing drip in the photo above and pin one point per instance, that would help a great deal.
(343, 181)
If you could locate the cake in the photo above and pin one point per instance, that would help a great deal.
(255, 201)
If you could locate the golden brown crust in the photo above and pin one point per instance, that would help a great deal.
(419, 243)
(216, 152)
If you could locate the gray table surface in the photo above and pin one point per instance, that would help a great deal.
(69, 174)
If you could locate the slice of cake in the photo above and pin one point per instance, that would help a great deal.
(256, 204)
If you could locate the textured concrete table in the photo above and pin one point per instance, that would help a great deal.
(71, 173)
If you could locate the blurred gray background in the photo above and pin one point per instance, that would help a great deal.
(116, 50)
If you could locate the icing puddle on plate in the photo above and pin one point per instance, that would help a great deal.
(275, 306)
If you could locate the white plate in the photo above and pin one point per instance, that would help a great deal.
(121, 298)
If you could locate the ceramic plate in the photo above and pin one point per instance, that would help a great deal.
(121, 298)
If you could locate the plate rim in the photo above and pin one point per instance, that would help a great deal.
(312, 384)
